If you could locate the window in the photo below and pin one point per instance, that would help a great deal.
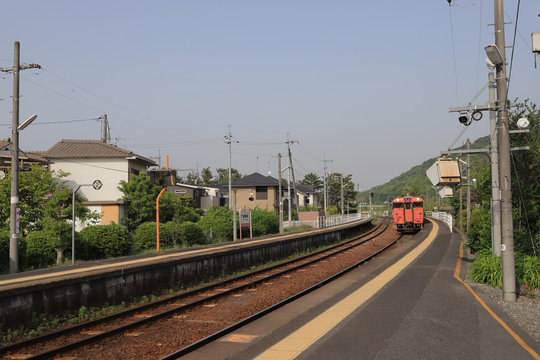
(417, 204)
(408, 206)
(261, 193)
(398, 205)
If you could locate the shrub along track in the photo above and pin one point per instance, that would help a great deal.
(157, 329)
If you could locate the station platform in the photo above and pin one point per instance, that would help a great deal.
(409, 303)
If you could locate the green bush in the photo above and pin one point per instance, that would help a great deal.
(487, 269)
(40, 250)
(219, 222)
(145, 236)
(528, 271)
(99, 241)
(479, 235)
(4, 250)
(191, 234)
(264, 222)
(171, 230)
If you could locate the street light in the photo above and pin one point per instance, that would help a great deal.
(97, 184)
(14, 209)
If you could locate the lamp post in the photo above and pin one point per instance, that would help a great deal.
(96, 185)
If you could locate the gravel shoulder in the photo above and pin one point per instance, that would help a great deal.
(525, 310)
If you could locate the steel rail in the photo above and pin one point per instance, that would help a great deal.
(269, 309)
(112, 332)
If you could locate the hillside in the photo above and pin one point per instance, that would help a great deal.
(415, 181)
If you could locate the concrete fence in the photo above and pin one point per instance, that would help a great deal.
(444, 217)
(327, 221)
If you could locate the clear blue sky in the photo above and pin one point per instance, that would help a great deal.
(366, 84)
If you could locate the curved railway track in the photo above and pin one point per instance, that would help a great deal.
(84, 339)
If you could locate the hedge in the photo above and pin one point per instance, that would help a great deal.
(101, 241)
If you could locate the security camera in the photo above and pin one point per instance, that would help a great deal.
(523, 123)
(464, 119)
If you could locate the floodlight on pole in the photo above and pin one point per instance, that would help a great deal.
(493, 54)
(27, 122)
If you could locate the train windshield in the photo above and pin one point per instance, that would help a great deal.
(417, 204)
(398, 205)
(407, 206)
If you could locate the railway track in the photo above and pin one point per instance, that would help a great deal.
(140, 324)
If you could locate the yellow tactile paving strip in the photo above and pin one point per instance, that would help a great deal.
(73, 271)
(303, 338)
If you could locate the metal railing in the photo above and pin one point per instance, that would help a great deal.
(322, 221)
(444, 217)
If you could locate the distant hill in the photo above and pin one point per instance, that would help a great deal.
(415, 181)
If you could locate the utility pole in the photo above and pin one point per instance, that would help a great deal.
(14, 209)
(291, 170)
(494, 154)
(324, 185)
(507, 230)
(280, 195)
(469, 182)
(106, 137)
(229, 141)
(341, 182)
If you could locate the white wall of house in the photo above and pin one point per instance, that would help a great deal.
(85, 171)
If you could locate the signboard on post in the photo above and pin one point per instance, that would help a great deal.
(245, 221)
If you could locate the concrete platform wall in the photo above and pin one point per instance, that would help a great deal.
(17, 305)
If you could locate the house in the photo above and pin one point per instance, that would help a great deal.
(26, 160)
(307, 196)
(204, 197)
(256, 191)
(90, 160)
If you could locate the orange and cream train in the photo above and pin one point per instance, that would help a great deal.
(408, 213)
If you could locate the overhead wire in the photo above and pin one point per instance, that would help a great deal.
(513, 48)
(117, 105)
(454, 53)
(58, 122)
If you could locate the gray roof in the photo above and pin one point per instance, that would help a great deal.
(68, 149)
(306, 189)
(255, 179)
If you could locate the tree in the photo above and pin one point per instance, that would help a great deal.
(142, 196)
(193, 178)
(207, 177)
(56, 213)
(314, 180)
(223, 175)
(219, 223)
(35, 187)
(45, 203)
(334, 190)
(526, 180)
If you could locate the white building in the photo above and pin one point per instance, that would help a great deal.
(90, 160)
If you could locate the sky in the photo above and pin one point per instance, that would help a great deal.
(364, 85)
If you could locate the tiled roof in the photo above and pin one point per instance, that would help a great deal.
(91, 149)
(256, 179)
(306, 189)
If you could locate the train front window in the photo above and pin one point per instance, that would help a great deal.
(398, 205)
(407, 206)
(418, 204)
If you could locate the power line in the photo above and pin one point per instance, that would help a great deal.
(57, 122)
(513, 47)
